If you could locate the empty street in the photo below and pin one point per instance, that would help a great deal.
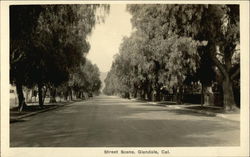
(109, 121)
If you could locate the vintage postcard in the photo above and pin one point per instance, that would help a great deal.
(124, 78)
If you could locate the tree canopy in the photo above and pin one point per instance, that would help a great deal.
(48, 42)
(176, 44)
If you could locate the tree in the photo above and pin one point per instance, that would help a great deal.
(149, 64)
(56, 43)
(223, 43)
(85, 78)
(20, 39)
(218, 25)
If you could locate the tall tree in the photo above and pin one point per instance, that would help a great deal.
(218, 25)
(21, 30)
(56, 42)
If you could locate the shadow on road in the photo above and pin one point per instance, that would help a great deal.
(17, 120)
(114, 122)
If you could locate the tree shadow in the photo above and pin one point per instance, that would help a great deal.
(17, 120)
(131, 124)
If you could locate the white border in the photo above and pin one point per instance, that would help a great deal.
(6, 151)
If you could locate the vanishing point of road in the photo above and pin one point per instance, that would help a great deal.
(107, 121)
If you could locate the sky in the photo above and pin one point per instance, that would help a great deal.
(106, 37)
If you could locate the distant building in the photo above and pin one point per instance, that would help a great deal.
(29, 94)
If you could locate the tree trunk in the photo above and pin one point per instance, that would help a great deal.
(31, 95)
(149, 94)
(21, 99)
(65, 94)
(157, 95)
(40, 95)
(82, 95)
(179, 95)
(127, 95)
(208, 96)
(174, 94)
(143, 94)
(27, 95)
(77, 94)
(135, 93)
(70, 94)
(202, 94)
(228, 95)
(52, 95)
(44, 95)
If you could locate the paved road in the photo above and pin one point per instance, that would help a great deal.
(111, 121)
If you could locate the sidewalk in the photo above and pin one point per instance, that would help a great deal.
(197, 108)
(207, 110)
(34, 109)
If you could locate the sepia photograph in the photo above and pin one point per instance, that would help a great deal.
(125, 79)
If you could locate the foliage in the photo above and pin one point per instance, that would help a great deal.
(48, 42)
(175, 45)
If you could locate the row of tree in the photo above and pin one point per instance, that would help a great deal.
(177, 46)
(48, 47)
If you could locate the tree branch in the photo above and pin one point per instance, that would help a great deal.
(219, 65)
(18, 58)
(220, 54)
(236, 73)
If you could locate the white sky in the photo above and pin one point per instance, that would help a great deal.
(106, 37)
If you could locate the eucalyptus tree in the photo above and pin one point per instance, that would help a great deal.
(215, 27)
(129, 68)
(55, 43)
(172, 57)
(84, 79)
(21, 30)
(92, 77)
(147, 62)
(111, 83)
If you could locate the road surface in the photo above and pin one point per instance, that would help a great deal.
(105, 121)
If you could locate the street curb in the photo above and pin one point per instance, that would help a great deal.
(224, 116)
(178, 107)
(33, 113)
(201, 111)
(208, 113)
(221, 115)
(37, 112)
